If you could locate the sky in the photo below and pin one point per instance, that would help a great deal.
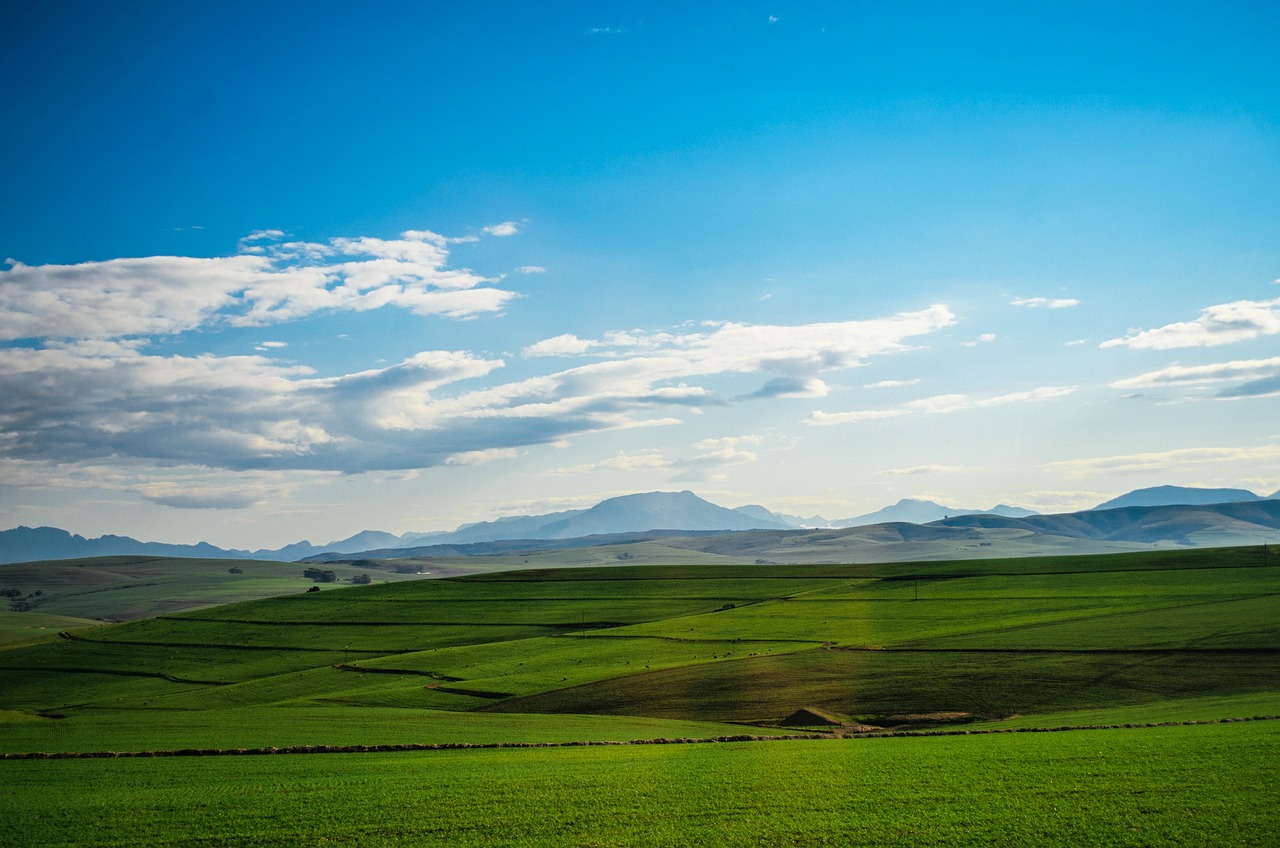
(281, 271)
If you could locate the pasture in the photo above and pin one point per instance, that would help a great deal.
(699, 651)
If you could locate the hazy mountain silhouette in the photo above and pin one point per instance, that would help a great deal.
(1172, 495)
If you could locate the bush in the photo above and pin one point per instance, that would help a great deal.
(361, 580)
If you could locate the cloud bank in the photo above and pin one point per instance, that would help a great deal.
(269, 281)
(94, 388)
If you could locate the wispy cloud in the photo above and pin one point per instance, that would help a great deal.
(90, 399)
(890, 384)
(1045, 302)
(711, 455)
(270, 281)
(1252, 377)
(985, 338)
(563, 345)
(938, 405)
(790, 387)
(1224, 323)
(531, 269)
(506, 228)
(1165, 461)
(923, 469)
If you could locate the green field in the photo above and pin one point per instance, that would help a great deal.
(695, 651)
(1189, 786)
(124, 588)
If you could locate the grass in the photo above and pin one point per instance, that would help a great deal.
(1189, 786)
(281, 726)
(735, 643)
(632, 652)
(126, 588)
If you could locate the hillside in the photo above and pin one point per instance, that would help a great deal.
(1175, 495)
(750, 644)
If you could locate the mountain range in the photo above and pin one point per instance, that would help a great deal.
(637, 515)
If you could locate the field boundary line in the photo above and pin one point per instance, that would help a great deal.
(469, 746)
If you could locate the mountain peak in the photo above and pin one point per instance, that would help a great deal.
(1178, 496)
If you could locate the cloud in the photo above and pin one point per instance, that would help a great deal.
(1165, 461)
(531, 269)
(938, 405)
(923, 469)
(1045, 302)
(270, 281)
(628, 462)
(985, 338)
(480, 457)
(890, 384)
(1225, 323)
(114, 400)
(563, 345)
(506, 228)
(1254, 377)
(179, 486)
(790, 387)
(712, 455)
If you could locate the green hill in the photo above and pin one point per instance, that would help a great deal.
(973, 640)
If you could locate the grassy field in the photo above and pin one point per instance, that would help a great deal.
(1162, 786)
(627, 653)
(125, 588)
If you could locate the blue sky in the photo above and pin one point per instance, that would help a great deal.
(282, 271)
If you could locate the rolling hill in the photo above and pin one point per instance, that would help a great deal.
(1174, 495)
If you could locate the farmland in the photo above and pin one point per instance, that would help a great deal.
(697, 651)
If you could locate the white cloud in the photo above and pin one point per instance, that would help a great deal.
(480, 457)
(531, 269)
(890, 384)
(563, 345)
(1045, 302)
(269, 282)
(1224, 323)
(923, 469)
(1166, 461)
(628, 462)
(506, 228)
(791, 387)
(938, 405)
(985, 338)
(93, 400)
(1254, 377)
(180, 486)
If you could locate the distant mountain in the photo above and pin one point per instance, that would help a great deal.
(656, 511)
(1238, 523)
(26, 544)
(914, 511)
(511, 527)
(630, 517)
(796, 521)
(1173, 495)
